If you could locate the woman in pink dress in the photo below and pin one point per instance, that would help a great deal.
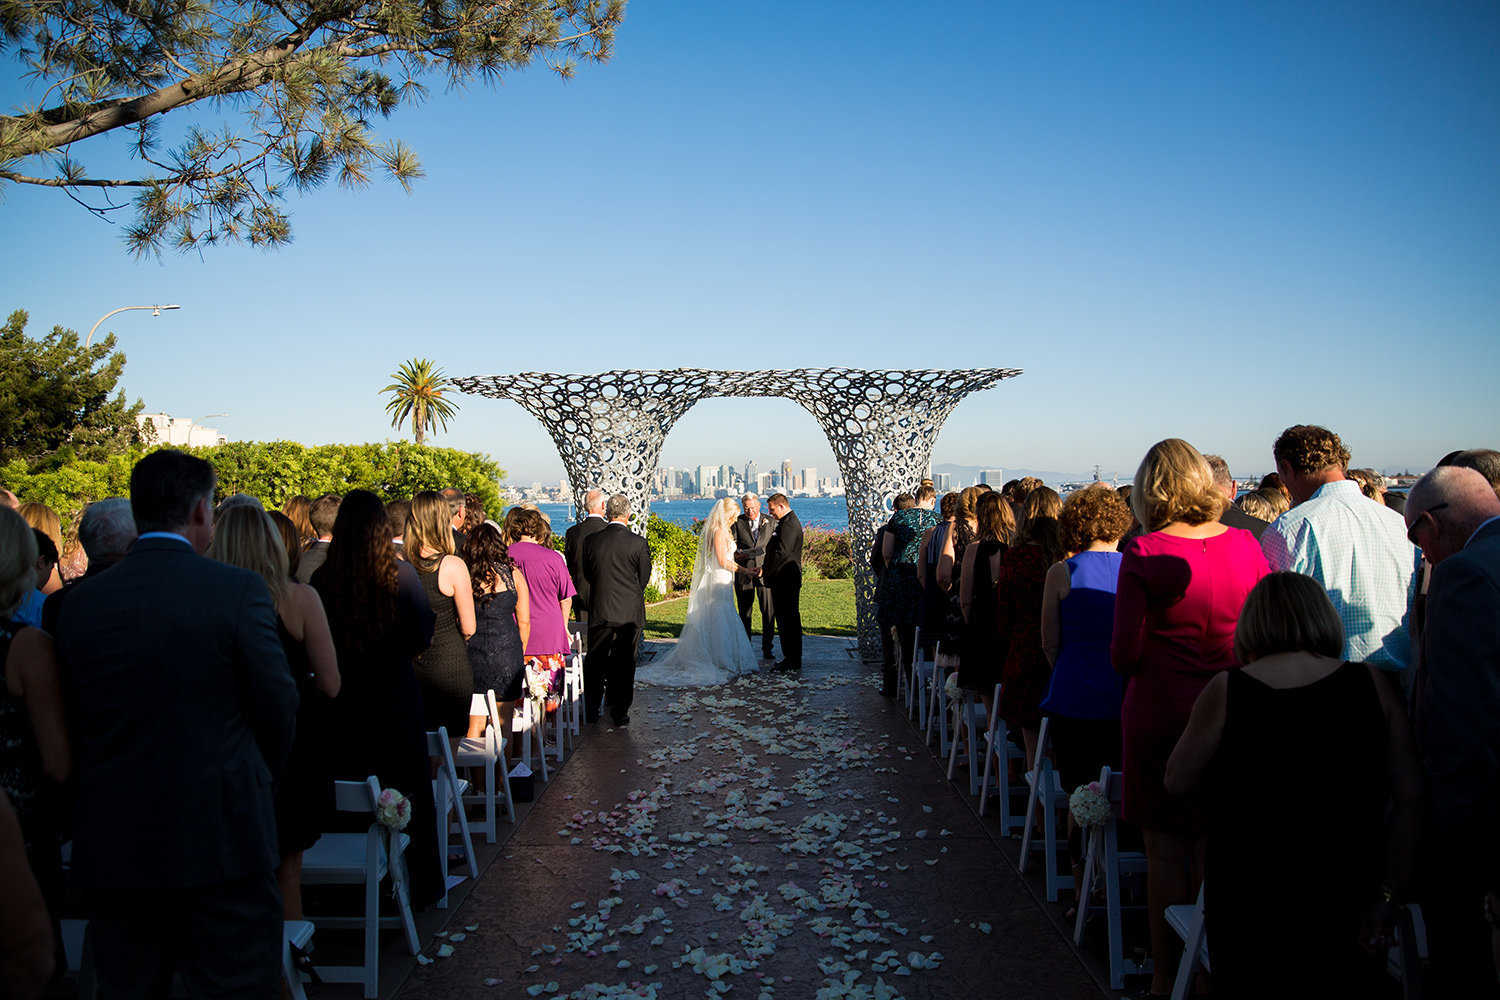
(1181, 588)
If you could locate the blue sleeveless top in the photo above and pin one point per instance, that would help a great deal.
(1084, 684)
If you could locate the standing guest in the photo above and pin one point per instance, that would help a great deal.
(380, 620)
(934, 599)
(983, 659)
(752, 533)
(1272, 481)
(1454, 515)
(34, 754)
(593, 520)
(782, 571)
(43, 572)
(551, 596)
(1329, 717)
(1232, 516)
(105, 531)
(1258, 505)
(617, 566)
(9, 499)
(45, 519)
(899, 597)
(238, 500)
(949, 573)
(1357, 550)
(73, 561)
(1485, 461)
(455, 498)
(396, 513)
(250, 539)
(879, 564)
(27, 951)
(1180, 592)
(443, 669)
(1370, 483)
(1135, 530)
(473, 514)
(181, 707)
(1018, 614)
(502, 624)
(322, 515)
(299, 509)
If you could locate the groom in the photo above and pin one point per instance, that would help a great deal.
(617, 566)
(752, 533)
(782, 572)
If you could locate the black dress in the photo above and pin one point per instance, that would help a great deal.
(304, 791)
(375, 725)
(980, 668)
(1282, 907)
(33, 796)
(443, 670)
(495, 654)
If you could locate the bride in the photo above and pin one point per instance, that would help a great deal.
(713, 647)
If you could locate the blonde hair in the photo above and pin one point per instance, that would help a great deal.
(1287, 612)
(246, 537)
(1174, 483)
(43, 519)
(1259, 505)
(429, 526)
(17, 560)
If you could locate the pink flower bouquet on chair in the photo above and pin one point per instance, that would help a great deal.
(393, 809)
(1089, 805)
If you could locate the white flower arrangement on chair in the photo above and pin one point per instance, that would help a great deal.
(1089, 805)
(393, 809)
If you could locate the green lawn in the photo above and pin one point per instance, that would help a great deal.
(827, 609)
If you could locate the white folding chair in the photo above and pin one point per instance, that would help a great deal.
(903, 670)
(1105, 861)
(366, 859)
(488, 753)
(448, 793)
(577, 642)
(294, 934)
(529, 722)
(999, 751)
(937, 704)
(1405, 959)
(921, 680)
(968, 717)
(1047, 797)
(1187, 921)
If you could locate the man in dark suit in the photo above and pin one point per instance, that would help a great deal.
(1454, 515)
(181, 706)
(105, 531)
(752, 533)
(1232, 517)
(782, 572)
(617, 567)
(593, 506)
(323, 512)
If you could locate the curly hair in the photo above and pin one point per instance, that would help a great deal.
(484, 552)
(1174, 483)
(473, 512)
(1371, 483)
(948, 507)
(1307, 449)
(1093, 514)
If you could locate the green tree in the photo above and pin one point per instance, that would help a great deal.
(282, 94)
(417, 392)
(55, 402)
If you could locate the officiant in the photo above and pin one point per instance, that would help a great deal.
(752, 530)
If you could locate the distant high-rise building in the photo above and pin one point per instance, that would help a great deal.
(708, 478)
(992, 477)
(810, 479)
(786, 474)
(765, 482)
(752, 476)
(943, 482)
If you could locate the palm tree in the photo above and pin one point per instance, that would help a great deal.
(417, 391)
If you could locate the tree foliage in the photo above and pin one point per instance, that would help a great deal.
(55, 397)
(283, 93)
(276, 471)
(417, 392)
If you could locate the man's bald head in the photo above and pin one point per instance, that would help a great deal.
(1445, 507)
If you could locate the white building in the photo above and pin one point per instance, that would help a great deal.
(179, 432)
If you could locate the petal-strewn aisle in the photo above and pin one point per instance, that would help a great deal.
(777, 838)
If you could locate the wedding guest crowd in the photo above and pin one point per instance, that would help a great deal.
(1319, 650)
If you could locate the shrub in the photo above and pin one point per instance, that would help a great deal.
(653, 593)
(828, 553)
(673, 550)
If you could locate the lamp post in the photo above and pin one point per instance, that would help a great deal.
(155, 311)
(194, 422)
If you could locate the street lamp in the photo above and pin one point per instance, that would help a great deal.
(155, 311)
(199, 420)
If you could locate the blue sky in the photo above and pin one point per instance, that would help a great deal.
(1206, 221)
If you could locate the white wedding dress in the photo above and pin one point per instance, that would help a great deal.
(713, 647)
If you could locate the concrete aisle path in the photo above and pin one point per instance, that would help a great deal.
(778, 838)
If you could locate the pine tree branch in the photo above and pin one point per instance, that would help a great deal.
(64, 182)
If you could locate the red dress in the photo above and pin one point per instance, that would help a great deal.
(1175, 612)
(1018, 629)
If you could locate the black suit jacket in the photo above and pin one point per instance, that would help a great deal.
(1456, 700)
(617, 566)
(754, 547)
(784, 551)
(1233, 517)
(181, 707)
(573, 541)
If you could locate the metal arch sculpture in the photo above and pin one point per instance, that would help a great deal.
(609, 430)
